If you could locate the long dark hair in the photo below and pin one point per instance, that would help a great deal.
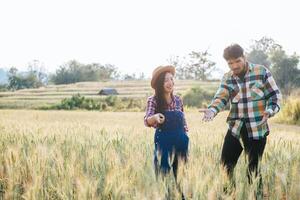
(160, 93)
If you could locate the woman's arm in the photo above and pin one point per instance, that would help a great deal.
(154, 119)
(151, 118)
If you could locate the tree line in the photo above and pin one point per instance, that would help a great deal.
(284, 67)
(197, 65)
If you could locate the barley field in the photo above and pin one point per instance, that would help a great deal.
(108, 155)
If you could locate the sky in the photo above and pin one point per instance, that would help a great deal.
(138, 35)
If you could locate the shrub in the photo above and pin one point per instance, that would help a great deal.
(197, 97)
(78, 102)
(290, 112)
(103, 106)
(110, 103)
(112, 100)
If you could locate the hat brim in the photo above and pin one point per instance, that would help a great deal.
(155, 76)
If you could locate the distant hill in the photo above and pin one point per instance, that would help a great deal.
(3, 76)
(53, 94)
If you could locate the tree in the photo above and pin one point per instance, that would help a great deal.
(13, 79)
(108, 72)
(200, 66)
(130, 76)
(197, 66)
(37, 69)
(283, 67)
(180, 66)
(18, 81)
(285, 70)
(73, 71)
(260, 50)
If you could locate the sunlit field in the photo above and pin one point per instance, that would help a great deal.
(108, 155)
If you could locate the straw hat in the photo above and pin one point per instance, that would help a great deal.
(158, 70)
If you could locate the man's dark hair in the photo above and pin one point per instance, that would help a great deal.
(233, 51)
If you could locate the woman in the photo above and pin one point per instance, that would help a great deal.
(165, 113)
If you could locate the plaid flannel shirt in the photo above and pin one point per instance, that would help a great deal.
(249, 99)
(152, 106)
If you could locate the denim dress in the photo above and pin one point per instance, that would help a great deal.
(171, 142)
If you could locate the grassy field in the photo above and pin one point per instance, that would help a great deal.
(108, 155)
(53, 94)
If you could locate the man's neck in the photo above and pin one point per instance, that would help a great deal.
(243, 73)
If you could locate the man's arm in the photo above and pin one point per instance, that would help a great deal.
(218, 103)
(272, 94)
(221, 97)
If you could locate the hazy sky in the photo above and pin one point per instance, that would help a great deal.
(138, 35)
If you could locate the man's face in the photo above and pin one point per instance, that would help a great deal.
(237, 65)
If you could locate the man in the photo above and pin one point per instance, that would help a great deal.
(254, 97)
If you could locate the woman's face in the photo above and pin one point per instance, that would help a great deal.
(168, 83)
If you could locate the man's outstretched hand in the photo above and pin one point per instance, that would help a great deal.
(208, 114)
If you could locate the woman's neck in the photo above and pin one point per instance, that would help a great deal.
(168, 97)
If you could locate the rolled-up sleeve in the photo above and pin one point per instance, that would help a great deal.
(150, 110)
(272, 93)
(221, 97)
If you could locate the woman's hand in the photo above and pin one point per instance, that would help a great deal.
(159, 118)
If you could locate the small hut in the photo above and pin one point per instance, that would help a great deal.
(108, 91)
